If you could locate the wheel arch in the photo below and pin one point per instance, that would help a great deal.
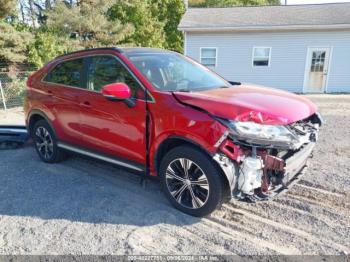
(175, 141)
(36, 115)
(170, 143)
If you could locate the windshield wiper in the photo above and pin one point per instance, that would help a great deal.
(235, 83)
(182, 90)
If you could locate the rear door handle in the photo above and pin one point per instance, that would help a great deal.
(49, 92)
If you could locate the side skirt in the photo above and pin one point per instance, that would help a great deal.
(135, 167)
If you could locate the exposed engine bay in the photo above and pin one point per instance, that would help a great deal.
(259, 172)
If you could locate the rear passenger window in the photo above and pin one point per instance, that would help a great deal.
(67, 73)
(104, 70)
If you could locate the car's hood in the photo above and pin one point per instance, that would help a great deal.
(251, 103)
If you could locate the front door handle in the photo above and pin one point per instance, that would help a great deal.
(86, 104)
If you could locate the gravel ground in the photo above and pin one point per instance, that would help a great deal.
(83, 206)
(13, 116)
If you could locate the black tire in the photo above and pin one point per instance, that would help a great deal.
(42, 132)
(183, 199)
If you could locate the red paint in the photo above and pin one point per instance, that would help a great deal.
(252, 103)
(87, 119)
(233, 151)
(117, 90)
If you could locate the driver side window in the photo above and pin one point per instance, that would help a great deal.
(104, 70)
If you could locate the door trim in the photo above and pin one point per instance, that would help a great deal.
(307, 67)
(100, 157)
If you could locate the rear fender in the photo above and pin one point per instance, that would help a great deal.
(37, 112)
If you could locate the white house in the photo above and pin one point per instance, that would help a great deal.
(303, 48)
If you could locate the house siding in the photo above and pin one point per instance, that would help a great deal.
(288, 57)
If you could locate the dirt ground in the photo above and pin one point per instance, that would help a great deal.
(83, 206)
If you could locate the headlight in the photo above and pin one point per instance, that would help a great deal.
(262, 134)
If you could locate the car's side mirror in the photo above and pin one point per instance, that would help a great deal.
(118, 92)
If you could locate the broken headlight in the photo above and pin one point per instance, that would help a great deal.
(254, 133)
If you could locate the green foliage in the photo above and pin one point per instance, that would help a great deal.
(45, 47)
(70, 25)
(155, 22)
(15, 90)
(170, 12)
(148, 30)
(228, 3)
(13, 43)
(7, 7)
(89, 23)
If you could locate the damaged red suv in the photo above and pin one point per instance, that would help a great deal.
(161, 114)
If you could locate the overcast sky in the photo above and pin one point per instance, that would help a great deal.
(297, 2)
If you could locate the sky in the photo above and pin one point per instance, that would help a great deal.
(297, 2)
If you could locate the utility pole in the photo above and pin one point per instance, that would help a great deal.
(3, 96)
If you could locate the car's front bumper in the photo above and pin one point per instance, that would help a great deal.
(257, 172)
(295, 168)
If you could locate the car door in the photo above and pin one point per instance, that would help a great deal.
(62, 88)
(112, 127)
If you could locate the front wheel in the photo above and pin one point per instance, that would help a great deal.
(191, 181)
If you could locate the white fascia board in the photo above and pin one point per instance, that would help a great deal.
(263, 28)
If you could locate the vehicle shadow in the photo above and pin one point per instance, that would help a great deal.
(80, 189)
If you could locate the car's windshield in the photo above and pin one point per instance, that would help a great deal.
(174, 72)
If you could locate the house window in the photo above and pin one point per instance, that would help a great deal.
(208, 56)
(261, 56)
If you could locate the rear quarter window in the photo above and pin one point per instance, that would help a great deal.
(69, 73)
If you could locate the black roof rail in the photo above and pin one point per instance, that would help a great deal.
(91, 49)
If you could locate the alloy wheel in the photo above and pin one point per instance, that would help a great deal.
(187, 183)
(44, 142)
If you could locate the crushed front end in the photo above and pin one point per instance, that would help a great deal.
(262, 161)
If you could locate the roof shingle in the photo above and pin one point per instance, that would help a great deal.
(266, 16)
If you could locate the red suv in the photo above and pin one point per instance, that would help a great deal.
(161, 114)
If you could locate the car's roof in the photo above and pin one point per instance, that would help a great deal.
(123, 50)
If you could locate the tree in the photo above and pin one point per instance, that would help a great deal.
(155, 21)
(170, 12)
(88, 23)
(13, 43)
(7, 7)
(228, 3)
(46, 46)
(148, 29)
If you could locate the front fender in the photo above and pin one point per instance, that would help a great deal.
(205, 138)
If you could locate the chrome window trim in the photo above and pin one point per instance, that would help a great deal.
(151, 100)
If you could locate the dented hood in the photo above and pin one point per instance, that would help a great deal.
(251, 103)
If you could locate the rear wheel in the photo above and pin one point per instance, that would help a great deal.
(45, 142)
(191, 181)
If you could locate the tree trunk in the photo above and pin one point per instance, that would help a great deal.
(22, 11)
(47, 4)
(32, 13)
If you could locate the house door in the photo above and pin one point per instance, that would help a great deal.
(316, 70)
